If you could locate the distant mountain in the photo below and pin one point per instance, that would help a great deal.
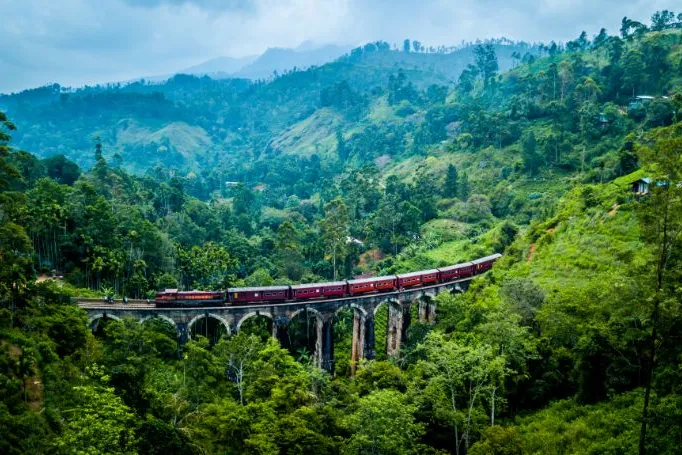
(220, 65)
(281, 60)
(194, 122)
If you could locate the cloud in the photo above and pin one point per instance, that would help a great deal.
(75, 42)
(217, 5)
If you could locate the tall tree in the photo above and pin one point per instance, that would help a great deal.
(463, 192)
(486, 61)
(633, 65)
(450, 186)
(661, 224)
(335, 230)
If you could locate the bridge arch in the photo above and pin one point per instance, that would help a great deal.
(95, 317)
(210, 315)
(387, 302)
(317, 314)
(352, 305)
(251, 314)
(159, 316)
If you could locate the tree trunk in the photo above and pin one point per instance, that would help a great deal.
(664, 245)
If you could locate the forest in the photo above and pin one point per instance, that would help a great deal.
(383, 161)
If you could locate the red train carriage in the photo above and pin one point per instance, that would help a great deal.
(486, 263)
(362, 286)
(260, 294)
(169, 295)
(430, 276)
(456, 271)
(173, 296)
(318, 290)
(335, 289)
(279, 294)
(406, 280)
(386, 283)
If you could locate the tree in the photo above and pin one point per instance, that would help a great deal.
(661, 225)
(288, 250)
(467, 78)
(8, 174)
(342, 149)
(450, 187)
(457, 378)
(207, 267)
(633, 65)
(406, 46)
(531, 159)
(237, 355)
(600, 39)
(99, 424)
(61, 169)
(335, 231)
(383, 423)
(662, 20)
(486, 61)
(463, 193)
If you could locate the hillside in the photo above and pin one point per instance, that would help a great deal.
(243, 117)
(380, 162)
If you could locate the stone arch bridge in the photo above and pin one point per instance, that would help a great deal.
(232, 317)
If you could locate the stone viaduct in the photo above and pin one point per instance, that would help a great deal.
(232, 317)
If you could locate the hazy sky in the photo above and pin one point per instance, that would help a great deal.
(74, 42)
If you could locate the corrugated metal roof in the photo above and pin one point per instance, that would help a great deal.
(261, 289)
(372, 280)
(411, 274)
(318, 285)
(455, 267)
(487, 258)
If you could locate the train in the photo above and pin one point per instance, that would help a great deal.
(322, 291)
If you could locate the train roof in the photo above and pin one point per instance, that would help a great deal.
(318, 285)
(455, 267)
(411, 274)
(372, 279)
(259, 289)
(492, 257)
(196, 291)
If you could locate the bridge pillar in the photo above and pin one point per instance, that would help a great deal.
(368, 348)
(280, 331)
(431, 313)
(427, 310)
(183, 332)
(394, 330)
(407, 320)
(423, 311)
(358, 343)
(324, 344)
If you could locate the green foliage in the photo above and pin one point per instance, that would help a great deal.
(384, 424)
(98, 424)
(373, 163)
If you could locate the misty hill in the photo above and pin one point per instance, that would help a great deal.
(239, 117)
(222, 66)
(280, 60)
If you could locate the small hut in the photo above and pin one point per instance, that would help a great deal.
(641, 186)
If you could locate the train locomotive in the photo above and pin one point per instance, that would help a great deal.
(321, 291)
